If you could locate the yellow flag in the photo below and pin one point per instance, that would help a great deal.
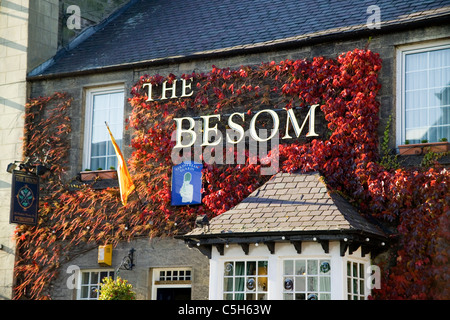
(125, 183)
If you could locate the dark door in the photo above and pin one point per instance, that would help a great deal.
(173, 294)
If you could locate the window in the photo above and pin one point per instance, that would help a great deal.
(103, 104)
(307, 279)
(423, 94)
(245, 280)
(174, 275)
(90, 283)
(172, 283)
(355, 281)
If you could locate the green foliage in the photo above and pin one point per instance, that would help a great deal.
(388, 160)
(118, 289)
(430, 158)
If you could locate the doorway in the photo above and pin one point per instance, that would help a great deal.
(173, 294)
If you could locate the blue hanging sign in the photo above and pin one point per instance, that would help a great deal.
(187, 183)
(24, 198)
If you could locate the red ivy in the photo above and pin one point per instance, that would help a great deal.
(415, 202)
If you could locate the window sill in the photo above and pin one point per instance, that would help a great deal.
(98, 175)
(422, 148)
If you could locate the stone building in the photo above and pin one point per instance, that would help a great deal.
(177, 37)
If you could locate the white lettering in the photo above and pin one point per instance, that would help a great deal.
(276, 124)
(189, 131)
(292, 119)
(234, 126)
(165, 88)
(184, 87)
(207, 129)
(149, 92)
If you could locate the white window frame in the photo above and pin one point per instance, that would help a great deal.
(89, 98)
(308, 292)
(402, 51)
(157, 284)
(245, 276)
(89, 285)
(364, 278)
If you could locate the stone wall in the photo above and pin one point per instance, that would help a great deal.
(149, 254)
(13, 67)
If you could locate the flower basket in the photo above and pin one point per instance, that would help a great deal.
(422, 148)
(98, 175)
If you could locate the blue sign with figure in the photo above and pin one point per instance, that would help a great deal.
(187, 183)
(24, 198)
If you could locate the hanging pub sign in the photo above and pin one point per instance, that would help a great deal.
(187, 183)
(24, 198)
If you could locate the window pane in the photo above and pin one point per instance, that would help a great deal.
(288, 267)
(84, 292)
(416, 61)
(262, 296)
(228, 296)
(361, 287)
(239, 268)
(94, 292)
(85, 278)
(416, 80)
(251, 268)
(288, 296)
(288, 284)
(262, 267)
(228, 284)
(229, 268)
(94, 277)
(300, 296)
(300, 284)
(416, 99)
(325, 296)
(325, 267)
(262, 284)
(440, 58)
(361, 271)
(239, 284)
(312, 284)
(300, 267)
(312, 267)
(325, 284)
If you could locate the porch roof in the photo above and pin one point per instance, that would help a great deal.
(291, 204)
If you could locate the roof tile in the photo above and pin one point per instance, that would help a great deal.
(291, 211)
(154, 30)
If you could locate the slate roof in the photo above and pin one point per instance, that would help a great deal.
(290, 203)
(155, 30)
